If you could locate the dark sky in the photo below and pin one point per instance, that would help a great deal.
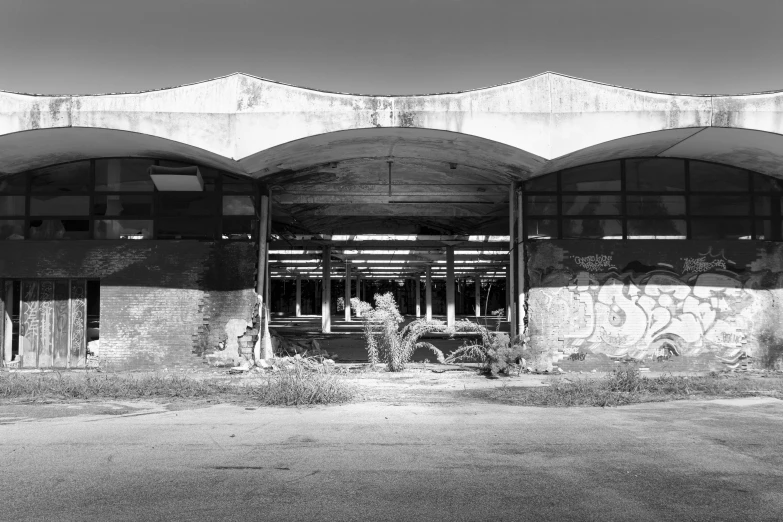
(390, 47)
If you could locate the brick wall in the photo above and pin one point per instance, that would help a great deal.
(163, 303)
(666, 305)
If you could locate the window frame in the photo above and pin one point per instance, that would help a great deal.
(215, 216)
(774, 217)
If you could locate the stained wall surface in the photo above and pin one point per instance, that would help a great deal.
(163, 304)
(666, 305)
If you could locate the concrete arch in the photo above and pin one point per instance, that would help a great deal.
(435, 150)
(754, 150)
(26, 150)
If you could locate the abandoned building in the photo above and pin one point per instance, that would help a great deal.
(601, 223)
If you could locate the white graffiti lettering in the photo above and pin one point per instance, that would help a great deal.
(594, 263)
(700, 264)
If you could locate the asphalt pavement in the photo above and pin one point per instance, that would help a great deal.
(689, 460)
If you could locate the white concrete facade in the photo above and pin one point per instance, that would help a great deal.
(258, 127)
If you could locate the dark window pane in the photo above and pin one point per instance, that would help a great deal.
(59, 229)
(591, 205)
(11, 229)
(762, 183)
(13, 184)
(720, 205)
(762, 205)
(764, 230)
(236, 184)
(178, 228)
(592, 229)
(123, 229)
(186, 204)
(596, 177)
(70, 177)
(122, 205)
(239, 228)
(656, 229)
(11, 205)
(545, 183)
(123, 175)
(715, 228)
(41, 205)
(713, 177)
(655, 205)
(541, 228)
(541, 205)
(655, 174)
(239, 206)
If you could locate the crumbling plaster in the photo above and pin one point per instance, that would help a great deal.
(245, 120)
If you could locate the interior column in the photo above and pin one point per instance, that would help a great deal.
(451, 312)
(358, 291)
(326, 292)
(348, 291)
(418, 296)
(428, 293)
(298, 295)
(477, 297)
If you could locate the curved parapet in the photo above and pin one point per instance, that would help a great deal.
(237, 116)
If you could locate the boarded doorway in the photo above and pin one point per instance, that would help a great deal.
(53, 323)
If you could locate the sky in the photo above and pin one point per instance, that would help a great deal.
(390, 47)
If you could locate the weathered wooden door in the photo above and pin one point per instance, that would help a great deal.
(53, 323)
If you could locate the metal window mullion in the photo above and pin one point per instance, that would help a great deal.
(559, 188)
(688, 233)
(752, 203)
(623, 202)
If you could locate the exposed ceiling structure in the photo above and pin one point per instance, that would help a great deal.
(391, 181)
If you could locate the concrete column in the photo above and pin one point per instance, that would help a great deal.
(508, 294)
(520, 252)
(359, 291)
(477, 297)
(418, 296)
(347, 291)
(326, 292)
(8, 330)
(298, 295)
(512, 258)
(428, 293)
(451, 312)
(263, 347)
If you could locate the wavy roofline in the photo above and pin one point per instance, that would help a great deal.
(444, 93)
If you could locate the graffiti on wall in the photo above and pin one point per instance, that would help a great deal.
(702, 305)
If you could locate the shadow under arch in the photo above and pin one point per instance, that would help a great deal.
(754, 150)
(445, 148)
(30, 149)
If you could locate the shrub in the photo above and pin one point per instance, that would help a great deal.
(385, 341)
(496, 353)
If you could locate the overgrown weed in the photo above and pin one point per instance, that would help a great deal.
(628, 386)
(292, 386)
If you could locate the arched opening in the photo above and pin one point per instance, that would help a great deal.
(389, 204)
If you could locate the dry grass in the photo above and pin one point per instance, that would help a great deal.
(296, 386)
(627, 386)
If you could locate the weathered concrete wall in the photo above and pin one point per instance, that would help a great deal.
(667, 305)
(238, 116)
(163, 303)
